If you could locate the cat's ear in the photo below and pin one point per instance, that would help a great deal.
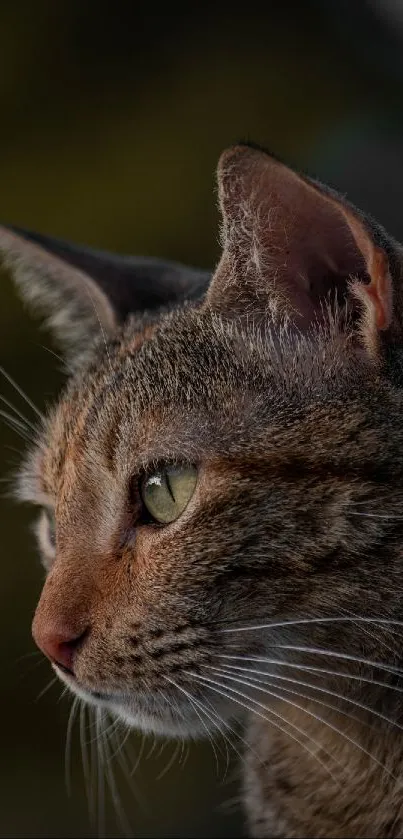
(82, 291)
(295, 247)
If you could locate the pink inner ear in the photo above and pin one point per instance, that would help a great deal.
(311, 248)
(287, 238)
(380, 290)
(377, 295)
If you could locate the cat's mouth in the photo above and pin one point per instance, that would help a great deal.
(83, 691)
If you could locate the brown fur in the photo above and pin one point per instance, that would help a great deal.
(293, 418)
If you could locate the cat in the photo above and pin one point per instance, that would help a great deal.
(220, 491)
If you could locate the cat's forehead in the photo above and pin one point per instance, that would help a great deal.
(155, 391)
(185, 387)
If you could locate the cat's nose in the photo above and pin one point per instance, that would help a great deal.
(59, 644)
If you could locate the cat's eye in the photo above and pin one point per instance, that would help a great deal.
(166, 493)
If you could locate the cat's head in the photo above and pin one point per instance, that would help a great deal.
(226, 462)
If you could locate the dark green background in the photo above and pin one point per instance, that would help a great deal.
(111, 126)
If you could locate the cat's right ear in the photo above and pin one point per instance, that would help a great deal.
(83, 291)
(292, 247)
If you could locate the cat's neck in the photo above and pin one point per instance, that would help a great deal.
(318, 772)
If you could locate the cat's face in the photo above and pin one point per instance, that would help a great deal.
(268, 531)
(203, 472)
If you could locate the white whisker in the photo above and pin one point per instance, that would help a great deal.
(26, 422)
(218, 688)
(107, 766)
(85, 761)
(16, 426)
(21, 392)
(137, 762)
(171, 761)
(317, 688)
(194, 703)
(67, 751)
(375, 515)
(388, 668)
(235, 733)
(371, 634)
(275, 695)
(101, 776)
(46, 688)
(314, 716)
(52, 352)
(298, 621)
(311, 669)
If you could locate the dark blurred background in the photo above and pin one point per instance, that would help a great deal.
(111, 125)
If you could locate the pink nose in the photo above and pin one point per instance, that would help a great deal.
(58, 645)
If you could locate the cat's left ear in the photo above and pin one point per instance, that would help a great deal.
(295, 247)
(83, 292)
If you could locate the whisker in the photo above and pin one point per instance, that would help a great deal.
(298, 621)
(28, 424)
(194, 702)
(293, 704)
(64, 693)
(235, 733)
(31, 655)
(292, 680)
(197, 703)
(67, 751)
(328, 705)
(85, 761)
(136, 765)
(170, 762)
(374, 515)
(107, 764)
(219, 688)
(368, 631)
(16, 426)
(186, 752)
(19, 390)
(101, 776)
(52, 352)
(310, 668)
(111, 732)
(95, 769)
(152, 748)
(388, 668)
(319, 719)
(129, 770)
(32, 665)
(264, 678)
(161, 750)
(95, 725)
(46, 688)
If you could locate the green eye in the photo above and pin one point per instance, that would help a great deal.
(167, 492)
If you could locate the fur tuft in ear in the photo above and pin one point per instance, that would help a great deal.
(293, 247)
(82, 291)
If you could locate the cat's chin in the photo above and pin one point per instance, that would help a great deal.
(171, 725)
(145, 712)
(148, 714)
